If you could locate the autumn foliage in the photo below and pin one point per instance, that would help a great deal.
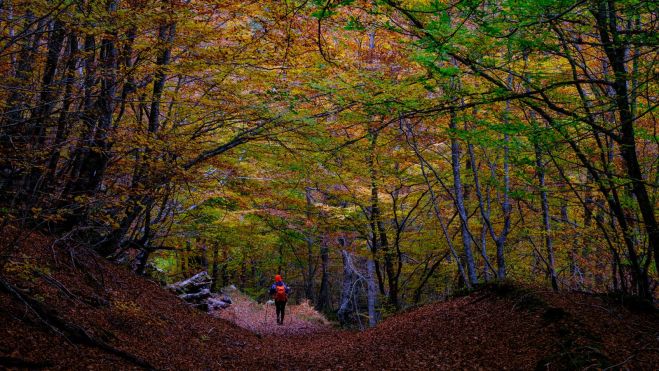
(377, 154)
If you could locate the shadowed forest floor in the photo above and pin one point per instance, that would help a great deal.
(65, 308)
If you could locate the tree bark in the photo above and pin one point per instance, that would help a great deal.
(323, 304)
(540, 171)
(372, 293)
(349, 290)
(458, 190)
(615, 49)
(376, 219)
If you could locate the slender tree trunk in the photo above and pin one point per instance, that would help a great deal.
(505, 206)
(87, 116)
(411, 140)
(46, 99)
(379, 223)
(372, 293)
(225, 271)
(323, 304)
(375, 223)
(166, 34)
(349, 289)
(459, 203)
(501, 241)
(63, 121)
(40, 116)
(546, 222)
(311, 257)
(485, 208)
(486, 263)
(215, 275)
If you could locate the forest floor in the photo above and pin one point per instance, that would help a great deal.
(63, 307)
(259, 318)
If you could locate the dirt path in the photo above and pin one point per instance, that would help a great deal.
(300, 319)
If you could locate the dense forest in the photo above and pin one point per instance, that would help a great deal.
(378, 154)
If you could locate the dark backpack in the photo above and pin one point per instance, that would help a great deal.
(280, 293)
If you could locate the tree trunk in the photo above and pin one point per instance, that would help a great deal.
(546, 223)
(349, 290)
(459, 203)
(376, 218)
(215, 273)
(411, 140)
(372, 294)
(615, 49)
(323, 304)
(63, 121)
(309, 291)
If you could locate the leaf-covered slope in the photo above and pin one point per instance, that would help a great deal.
(116, 320)
(500, 327)
(129, 321)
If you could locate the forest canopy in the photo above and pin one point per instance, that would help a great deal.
(378, 154)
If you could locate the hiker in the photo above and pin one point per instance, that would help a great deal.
(279, 292)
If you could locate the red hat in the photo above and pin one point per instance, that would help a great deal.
(277, 278)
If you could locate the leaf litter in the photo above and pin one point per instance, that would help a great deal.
(133, 322)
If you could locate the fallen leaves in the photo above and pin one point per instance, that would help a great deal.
(488, 329)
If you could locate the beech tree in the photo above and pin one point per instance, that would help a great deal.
(379, 153)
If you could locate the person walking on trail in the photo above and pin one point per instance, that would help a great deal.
(279, 292)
